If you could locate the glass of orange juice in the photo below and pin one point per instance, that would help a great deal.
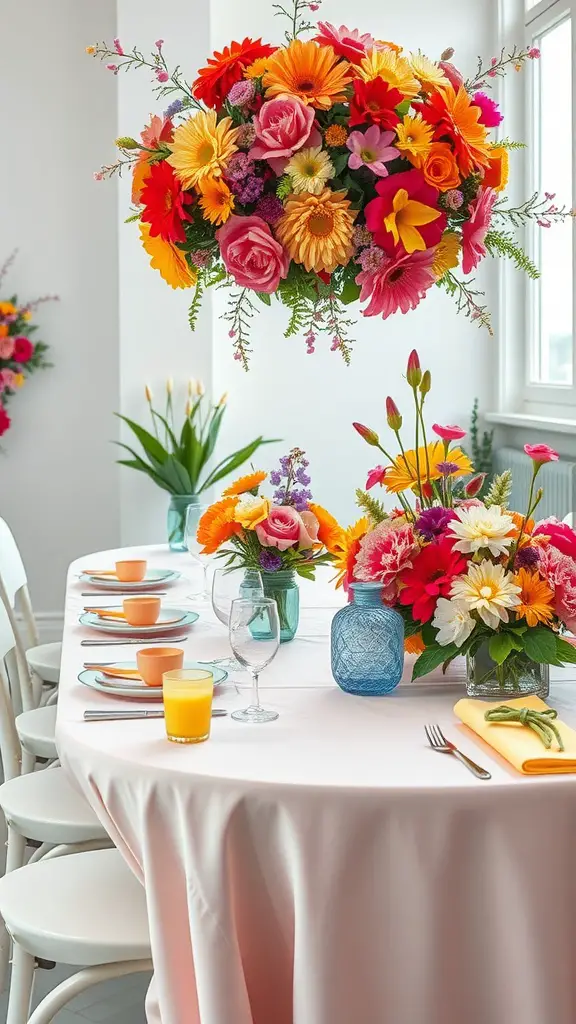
(187, 697)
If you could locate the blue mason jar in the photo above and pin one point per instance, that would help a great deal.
(367, 643)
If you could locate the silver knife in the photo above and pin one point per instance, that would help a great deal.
(117, 716)
(134, 640)
(122, 593)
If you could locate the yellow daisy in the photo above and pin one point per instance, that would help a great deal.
(201, 148)
(395, 70)
(257, 69)
(403, 474)
(446, 255)
(217, 201)
(168, 260)
(414, 137)
(309, 170)
(427, 71)
(317, 230)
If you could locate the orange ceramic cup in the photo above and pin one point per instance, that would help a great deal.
(131, 571)
(154, 661)
(141, 611)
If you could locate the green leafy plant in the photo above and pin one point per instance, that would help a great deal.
(177, 459)
(481, 446)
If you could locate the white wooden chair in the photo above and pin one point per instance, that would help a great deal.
(39, 663)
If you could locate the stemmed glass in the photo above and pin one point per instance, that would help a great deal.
(254, 653)
(193, 515)
(227, 586)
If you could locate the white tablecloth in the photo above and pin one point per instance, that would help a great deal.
(330, 868)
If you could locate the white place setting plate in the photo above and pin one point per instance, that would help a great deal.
(168, 620)
(135, 689)
(151, 580)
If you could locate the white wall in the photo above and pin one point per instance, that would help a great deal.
(58, 481)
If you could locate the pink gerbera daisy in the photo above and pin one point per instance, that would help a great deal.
(400, 283)
(475, 229)
(346, 42)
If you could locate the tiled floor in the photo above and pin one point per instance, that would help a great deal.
(120, 1001)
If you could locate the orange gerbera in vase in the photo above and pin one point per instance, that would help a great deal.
(169, 261)
(250, 482)
(536, 598)
(311, 72)
(218, 525)
(317, 230)
(225, 69)
(457, 117)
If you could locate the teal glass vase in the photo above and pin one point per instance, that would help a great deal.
(177, 509)
(281, 587)
(367, 643)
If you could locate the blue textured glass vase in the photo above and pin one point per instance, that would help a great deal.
(367, 647)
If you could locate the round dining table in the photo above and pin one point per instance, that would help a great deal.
(329, 867)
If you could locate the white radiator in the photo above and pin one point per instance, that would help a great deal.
(558, 480)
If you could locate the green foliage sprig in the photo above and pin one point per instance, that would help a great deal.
(481, 447)
(500, 490)
(502, 243)
(373, 508)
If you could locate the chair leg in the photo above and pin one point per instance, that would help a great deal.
(16, 850)
(71, 987)
(88, 844)
(40, 852)
(21, 985)
(28, 761)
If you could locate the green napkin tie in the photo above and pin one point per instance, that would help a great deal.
(539, 721)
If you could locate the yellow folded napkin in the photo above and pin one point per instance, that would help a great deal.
(518, 743)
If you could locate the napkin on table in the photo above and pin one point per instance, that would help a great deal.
(519, 744)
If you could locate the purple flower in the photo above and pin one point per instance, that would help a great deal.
(361, 236)
(199, 257)
(372, 259)
(239, 167)
(275, 477)
(433, 521)
(246, 136)
(527, 557)
(270, 561)
(270, 209)
(447, 468)
(250, 190)
(300, 499)
(279, 496)
(241, 93)
(174, 108)
(302, 477)
(453, 198)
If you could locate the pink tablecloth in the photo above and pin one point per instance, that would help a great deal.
(330, 868)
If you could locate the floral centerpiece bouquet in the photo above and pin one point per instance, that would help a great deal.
(277, 536)
(323, 171)
(468, 576)
(176, 457)
(19, 354)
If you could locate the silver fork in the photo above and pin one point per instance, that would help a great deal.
(438, 741)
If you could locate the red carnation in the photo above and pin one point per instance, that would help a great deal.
(23, 349)
(5, 420)
(225, 69)
(430, 577)
(163, 201)
(374, 103)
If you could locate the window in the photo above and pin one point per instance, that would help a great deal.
(548, 358)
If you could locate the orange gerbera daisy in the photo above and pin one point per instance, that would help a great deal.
(330, 533)
(317, 230)
(526, 531)
(456, 116)
(225, 69)
(536, 598)
(218, 525)
(217, 201)
(246, 483)
(168, 260)
(347, 549)
(414, 644)
(311, 72)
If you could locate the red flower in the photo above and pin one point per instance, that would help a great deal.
(5, 420)
(430, 578)
(224, 69)
(449, 433)
(374, 103)
(375, 476)
(377, 210)
(541, 453)
(163, 201)
(23, 349)
(561, 535)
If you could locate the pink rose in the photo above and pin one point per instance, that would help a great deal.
(6, 348)
(8, 378)
(449, 433)
(283, 126)
(281, 529)
(561, 535)
(308, 531)
(251, 254)
(541, 453)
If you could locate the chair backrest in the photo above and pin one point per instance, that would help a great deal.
(10, 748)
(15, 596)
(12, 568)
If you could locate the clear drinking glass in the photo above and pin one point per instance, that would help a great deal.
(227, 586)
(193, 515)
(254, 653)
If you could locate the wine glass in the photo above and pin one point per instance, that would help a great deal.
(193, 515)
(228, 585)
(248, 616)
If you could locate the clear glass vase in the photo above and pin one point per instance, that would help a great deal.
(179, 504)
(518, 676)
(367, 643)
(281, 587)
